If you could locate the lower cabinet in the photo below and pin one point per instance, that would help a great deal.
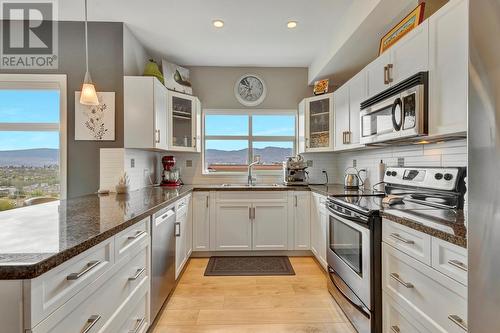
(233, 226)
(201, 221)
(183, 233)
(269, 226)
(301, 208)
(319, 228)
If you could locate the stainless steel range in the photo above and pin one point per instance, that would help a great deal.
(355, 228)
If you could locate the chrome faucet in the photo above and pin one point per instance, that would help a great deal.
(250, 178)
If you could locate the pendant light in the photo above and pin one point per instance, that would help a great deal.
(88, 95)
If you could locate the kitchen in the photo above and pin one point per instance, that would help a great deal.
(240, 191)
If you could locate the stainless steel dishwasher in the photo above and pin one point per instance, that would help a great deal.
(162, 257)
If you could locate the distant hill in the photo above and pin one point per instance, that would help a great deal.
(29, 157)
(267, 154)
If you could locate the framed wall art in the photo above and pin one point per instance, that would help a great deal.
(95, 122)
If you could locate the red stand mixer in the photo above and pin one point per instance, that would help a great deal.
(170, 175)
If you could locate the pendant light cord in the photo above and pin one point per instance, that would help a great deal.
(86, 40)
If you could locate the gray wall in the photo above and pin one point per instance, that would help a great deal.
(106, 67)
(286, 87)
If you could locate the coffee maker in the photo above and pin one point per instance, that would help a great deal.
(294, 171)
(170, 175)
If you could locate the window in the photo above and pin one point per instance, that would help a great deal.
(32, 139)
(232, 139)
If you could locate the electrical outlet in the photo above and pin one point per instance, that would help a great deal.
(309, 163)
(354, 163)
(146, 172)
(189, 163)
(132, 162)
(401, 161)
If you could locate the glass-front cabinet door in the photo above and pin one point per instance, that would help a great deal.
(184, 115)
(319, 123)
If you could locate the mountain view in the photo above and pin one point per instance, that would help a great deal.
(29, 157)
(236, 160)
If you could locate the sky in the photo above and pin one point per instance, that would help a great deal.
(29, 106)
(266, 125)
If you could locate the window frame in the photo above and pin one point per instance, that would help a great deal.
(43, 81)
(250, 138)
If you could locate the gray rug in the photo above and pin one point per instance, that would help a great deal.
(248, 266)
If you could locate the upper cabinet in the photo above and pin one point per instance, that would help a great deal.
(159, 119)
(315, 124)
(448, 69)
(145, 108)
(406, 58)
(184, 114)
(347, 106)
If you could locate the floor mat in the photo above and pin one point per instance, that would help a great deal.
(248, 266)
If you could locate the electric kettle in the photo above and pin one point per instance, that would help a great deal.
(352, 180)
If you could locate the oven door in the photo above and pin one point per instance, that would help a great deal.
(348, 253)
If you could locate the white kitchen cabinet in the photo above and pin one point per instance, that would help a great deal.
(233, 226)
(301, 128)
(145, 113)
(316, 124)
(301, 210)
(376, 73)
(410, 54)
(319, 220)
(182, 231)
(448, 68)
(201, 221)
(347, 100)
(184, 122)
(269, 226)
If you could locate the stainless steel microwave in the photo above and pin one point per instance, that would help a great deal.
(397, 113)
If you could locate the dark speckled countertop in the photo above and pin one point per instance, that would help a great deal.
(35, 239)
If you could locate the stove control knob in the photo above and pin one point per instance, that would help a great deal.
(438, 176)
(448, 176)
(394, 173)
(388, 173)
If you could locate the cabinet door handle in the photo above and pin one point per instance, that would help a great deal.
(194, 142)
(138, 326)
(90, 266)
(458, 321)
(389, 71)
(207, 202)
(395, 329)
(137, 235)
(157, 136)
(401, 239)
(348, 137)
(386, 79)
(458, 264)
(396, 277)
(253, 213)
(177, 226)
(137, 274)
(296, 201)
(90, 323)
(306, 140)
(249, 213)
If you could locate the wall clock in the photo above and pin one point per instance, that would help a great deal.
(250, 90)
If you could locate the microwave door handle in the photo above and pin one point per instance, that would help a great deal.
(397, 125)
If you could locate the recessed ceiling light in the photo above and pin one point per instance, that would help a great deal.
(291, 24)
(218, 23)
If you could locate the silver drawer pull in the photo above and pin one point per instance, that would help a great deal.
(90, 323)
(396, 277)
(137, 274)
(458, 264)
(401, 239)
(458, 321)
(395, 329)
(137, 235)
(138, 326)
(91, 265)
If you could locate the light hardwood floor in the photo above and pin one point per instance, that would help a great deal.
(253, 304)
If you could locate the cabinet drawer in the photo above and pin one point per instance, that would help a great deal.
(397, 320)
(138, 320)
(98, 308)
(450, 260)
(54, 288)
(412, 242)
(435, 300)
(130, 239)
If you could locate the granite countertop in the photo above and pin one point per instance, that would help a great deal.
(451, 227)
(35, 239)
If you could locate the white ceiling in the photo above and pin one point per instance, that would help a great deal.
(254, 34)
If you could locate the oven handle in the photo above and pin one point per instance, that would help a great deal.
(340, 284)
(397, 126)
(345, 216)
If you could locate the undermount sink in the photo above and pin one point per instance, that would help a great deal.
(248, 185)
